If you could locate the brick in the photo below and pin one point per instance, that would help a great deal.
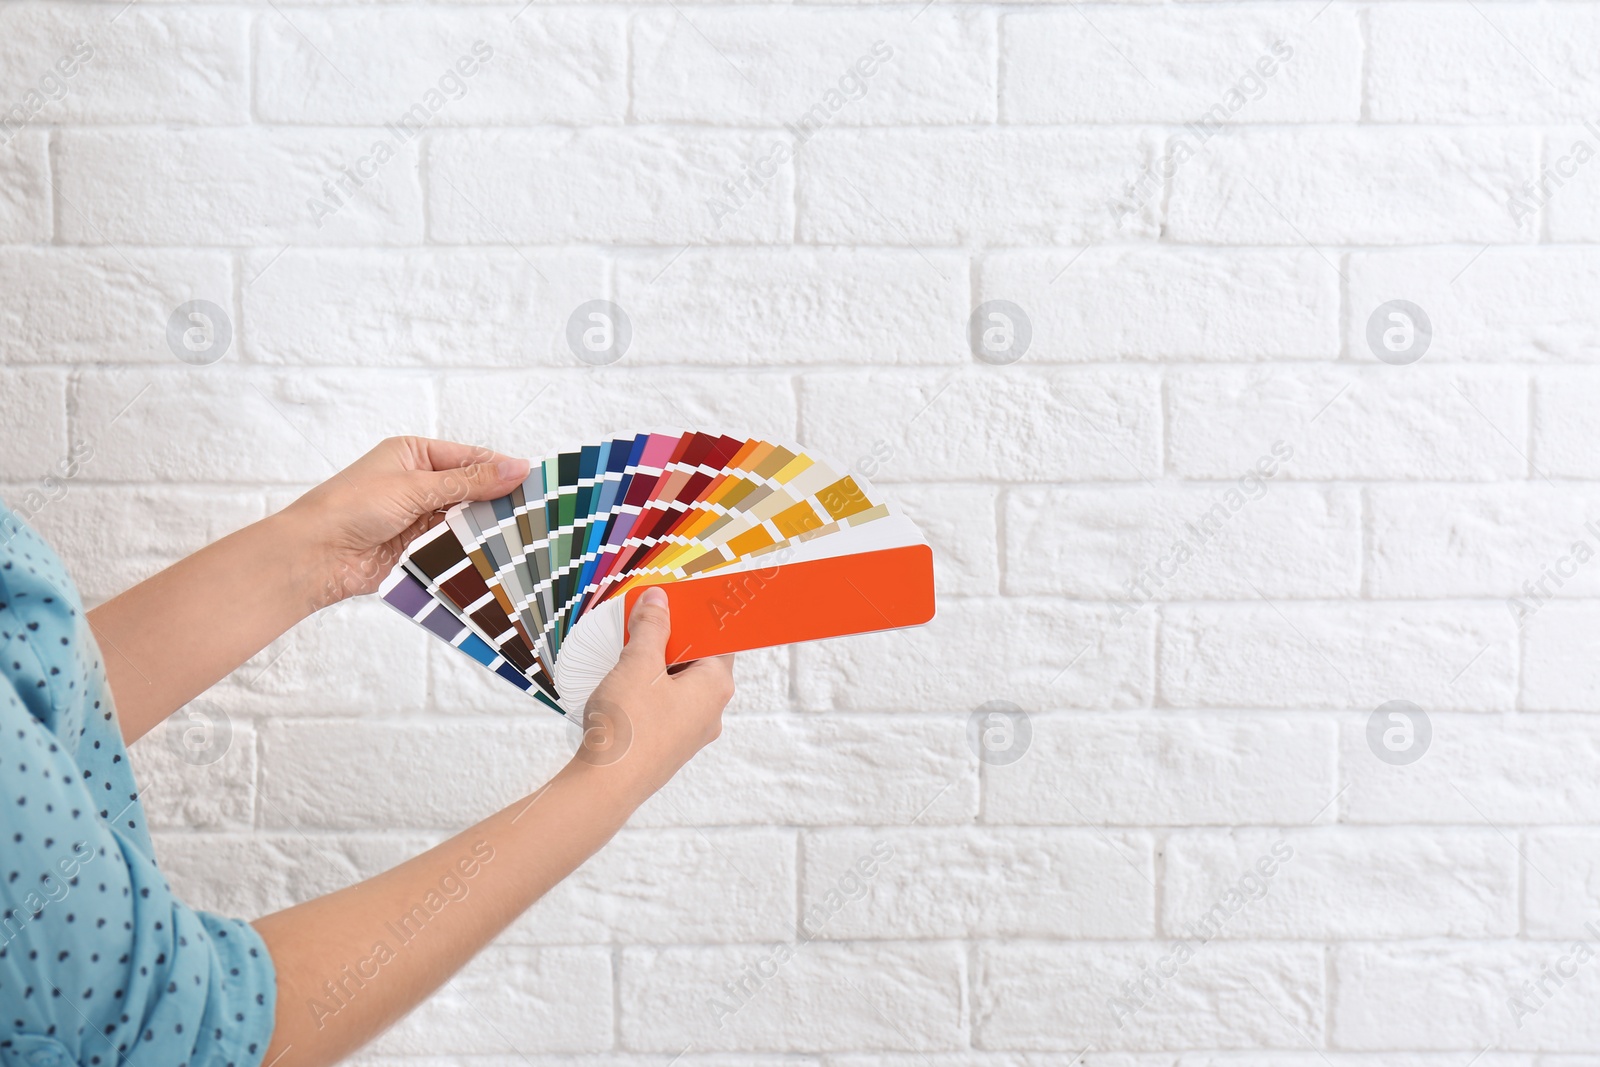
(25, 188)
(239, 186)
(308, 780)
(878, 770)
(1507, 541)
(36, 400)
(1076, 656)
(1390, 423)
(1562, 423)
(1423, 63)
(1284, 540)
(543, 66)
(178, 792)
(137, 65)
(1561, 873)
(979, 186)
(1338, 655)
(1558, 674)
(796, 305)
(812, 997)
(536, 418)
(1079, 425)
(1444, 995)
(517, 996)
(1371, 186)
(1477, 771)
(959, 522)
(981, 882)
(100, 305)
(1167, 770)
(1506, 305)
(1339, 883)
(805, 68)
(651, 185)
(654, 886)
(761, 681)
(1180, 64)
(1105, 303)
(1059, 996)
(114, 537)
(445, 308)
(219, 424)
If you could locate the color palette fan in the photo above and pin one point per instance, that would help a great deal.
(754, 543)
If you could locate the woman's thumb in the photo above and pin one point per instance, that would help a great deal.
(649, 624)
(480, 481)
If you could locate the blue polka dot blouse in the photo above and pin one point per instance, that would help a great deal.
(99, 964)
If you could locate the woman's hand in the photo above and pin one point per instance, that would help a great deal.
(173, 636)
(356, 523)
(645, 721)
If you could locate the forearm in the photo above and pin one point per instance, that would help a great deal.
(352, 963)
(173, 636)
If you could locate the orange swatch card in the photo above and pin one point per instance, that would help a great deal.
(789, 602)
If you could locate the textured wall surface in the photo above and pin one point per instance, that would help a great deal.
(1204, 499)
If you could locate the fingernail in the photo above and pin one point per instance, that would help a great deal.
(653, 595)
(512, 468)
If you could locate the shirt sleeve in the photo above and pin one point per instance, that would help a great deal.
(99, 964)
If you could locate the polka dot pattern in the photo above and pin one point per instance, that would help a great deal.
(99, 963)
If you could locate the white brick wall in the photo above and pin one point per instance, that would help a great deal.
(1198, 750)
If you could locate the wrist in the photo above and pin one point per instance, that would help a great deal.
(615, 791)
(304, 557)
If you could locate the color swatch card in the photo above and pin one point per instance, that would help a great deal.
(754, 543)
